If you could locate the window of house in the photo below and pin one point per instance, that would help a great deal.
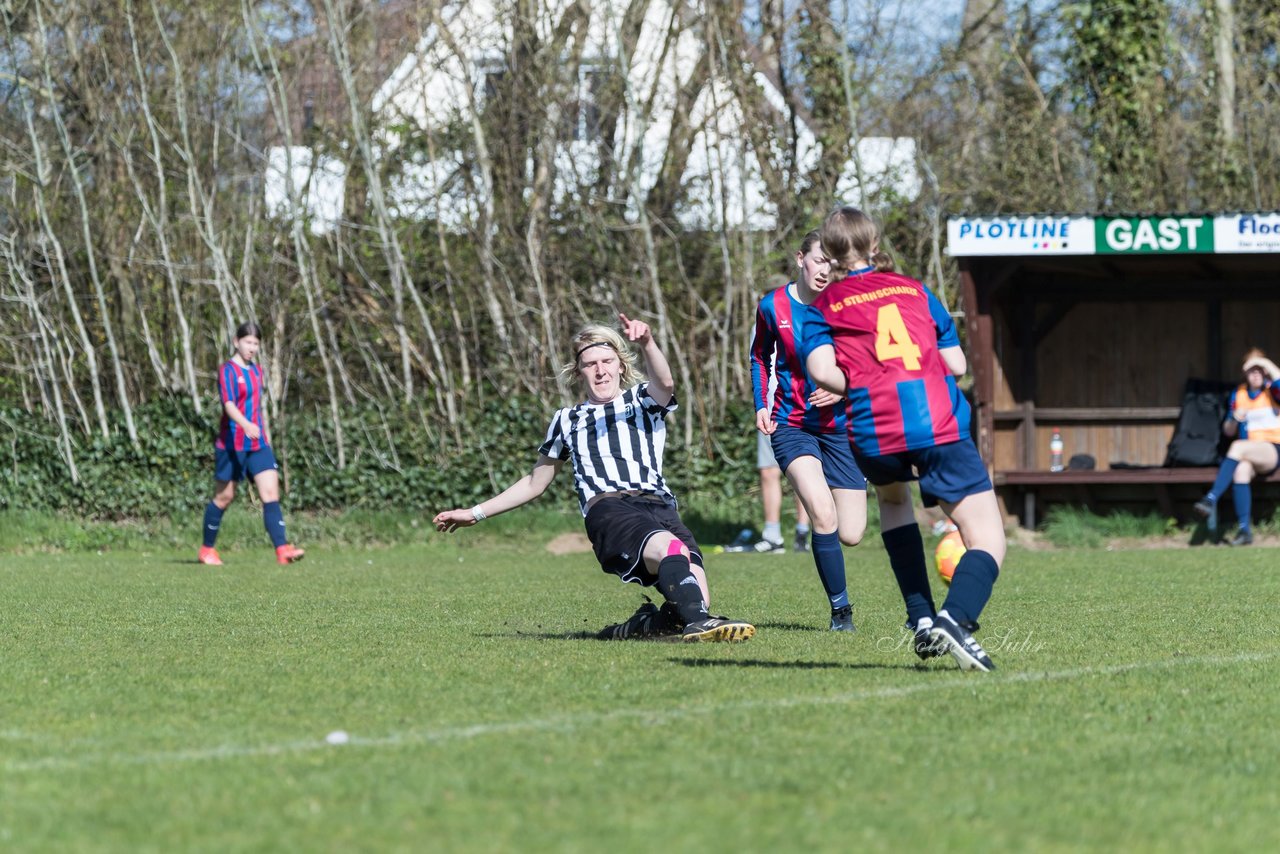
(590, 82)
(489, 75)
(581, 117)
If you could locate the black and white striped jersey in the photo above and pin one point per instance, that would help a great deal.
(615, 446)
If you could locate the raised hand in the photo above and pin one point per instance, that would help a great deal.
(636, 331)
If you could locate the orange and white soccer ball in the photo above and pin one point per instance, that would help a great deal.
(947, 555)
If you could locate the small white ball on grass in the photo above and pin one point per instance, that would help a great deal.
(337, 737)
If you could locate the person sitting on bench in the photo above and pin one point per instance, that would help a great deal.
(1254, 423)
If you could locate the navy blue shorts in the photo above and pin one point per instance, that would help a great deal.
(946, 472)
(831, 449)
(237, 465)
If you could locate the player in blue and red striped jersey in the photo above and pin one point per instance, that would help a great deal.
(807, 428)
(888, 344)
(243, 449)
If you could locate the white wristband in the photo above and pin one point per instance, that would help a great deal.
(478, 514)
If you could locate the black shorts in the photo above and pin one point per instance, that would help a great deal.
(619, 528)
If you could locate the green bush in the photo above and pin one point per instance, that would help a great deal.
(395, 459)
(1077, 527)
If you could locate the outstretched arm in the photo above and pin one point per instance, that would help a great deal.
(517, 494)
(662, 386)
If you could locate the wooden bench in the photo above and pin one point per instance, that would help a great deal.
(1171, 490)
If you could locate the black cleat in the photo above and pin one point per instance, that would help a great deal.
(925, 646)
(967, 652)
(649, 621)
(802, 542)
(717, 629)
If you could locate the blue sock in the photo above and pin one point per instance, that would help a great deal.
(273, 521)
(829, 558)
(971, 585)
(212, 521)
(1243, 499)
(1226, 471)
(906, 557)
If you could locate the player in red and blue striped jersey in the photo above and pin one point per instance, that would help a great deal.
(243, 449)
(807, 426)
(887, 343)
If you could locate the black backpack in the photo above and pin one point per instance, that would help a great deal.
(1198, 439)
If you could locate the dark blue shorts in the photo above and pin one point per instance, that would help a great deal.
(946, 472)
(831, 449)
(237, 465)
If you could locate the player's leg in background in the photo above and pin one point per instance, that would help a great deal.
(268, 483)
(902, 540)
(806, 477)
(802, 527)
(224, 492)
(771, 499)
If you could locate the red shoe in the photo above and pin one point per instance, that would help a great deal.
(288, 554)
(209, 556)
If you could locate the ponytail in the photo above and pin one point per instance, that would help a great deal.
(849, 237)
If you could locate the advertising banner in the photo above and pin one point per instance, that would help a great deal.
(1152, 235)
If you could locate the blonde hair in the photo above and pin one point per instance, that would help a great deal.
(849, 236)
(597, 334)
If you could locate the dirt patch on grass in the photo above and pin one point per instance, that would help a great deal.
(569, 544)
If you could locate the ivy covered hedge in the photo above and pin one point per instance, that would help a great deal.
(394, 459)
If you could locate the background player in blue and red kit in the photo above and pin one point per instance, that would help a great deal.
(887, 343)
(807, 427)
(243, 449)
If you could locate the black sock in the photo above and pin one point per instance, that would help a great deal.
(906, 557)
(677, 583)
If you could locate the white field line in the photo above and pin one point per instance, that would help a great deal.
(571, 723)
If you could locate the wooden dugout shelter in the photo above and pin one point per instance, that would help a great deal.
(1093, 325)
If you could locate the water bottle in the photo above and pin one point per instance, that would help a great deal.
(1055, 450)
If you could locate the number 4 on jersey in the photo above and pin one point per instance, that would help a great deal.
(892, 339)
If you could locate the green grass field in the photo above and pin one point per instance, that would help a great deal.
(147, 704)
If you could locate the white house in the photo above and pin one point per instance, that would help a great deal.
(459, 58)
